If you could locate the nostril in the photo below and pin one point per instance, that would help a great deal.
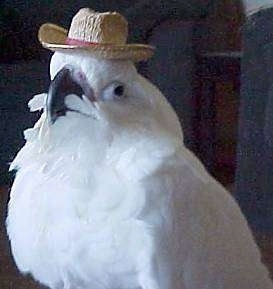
(80, 76)
(81, 79)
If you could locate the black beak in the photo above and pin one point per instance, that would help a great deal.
(64, 83)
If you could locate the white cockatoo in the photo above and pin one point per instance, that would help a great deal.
(106, 195)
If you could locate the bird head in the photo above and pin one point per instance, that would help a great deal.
(105, 91)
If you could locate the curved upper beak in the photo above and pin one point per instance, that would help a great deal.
(67, 81)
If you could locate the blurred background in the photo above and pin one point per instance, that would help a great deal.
(213, 62)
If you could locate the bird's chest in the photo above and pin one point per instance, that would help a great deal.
(67, 222)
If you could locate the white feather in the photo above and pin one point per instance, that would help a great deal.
(37, 102)
(115, 200)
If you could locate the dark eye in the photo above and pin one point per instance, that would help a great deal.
(115, 90)
(119, 90)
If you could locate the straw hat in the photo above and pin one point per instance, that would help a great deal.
(104, 35)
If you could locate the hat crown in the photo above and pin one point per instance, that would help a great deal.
(106, 28)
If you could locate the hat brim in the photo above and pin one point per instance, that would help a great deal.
(53, 37)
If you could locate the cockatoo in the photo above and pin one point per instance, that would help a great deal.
(106, 195)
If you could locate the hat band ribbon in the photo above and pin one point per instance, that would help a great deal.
(71, 41)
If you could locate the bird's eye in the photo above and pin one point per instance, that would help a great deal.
(119, 90)
(113, 91)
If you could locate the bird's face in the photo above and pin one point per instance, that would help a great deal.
(109, 91)
(93, 88)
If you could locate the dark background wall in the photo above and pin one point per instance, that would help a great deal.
(20, 20)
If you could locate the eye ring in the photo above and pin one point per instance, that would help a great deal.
(114, 91)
